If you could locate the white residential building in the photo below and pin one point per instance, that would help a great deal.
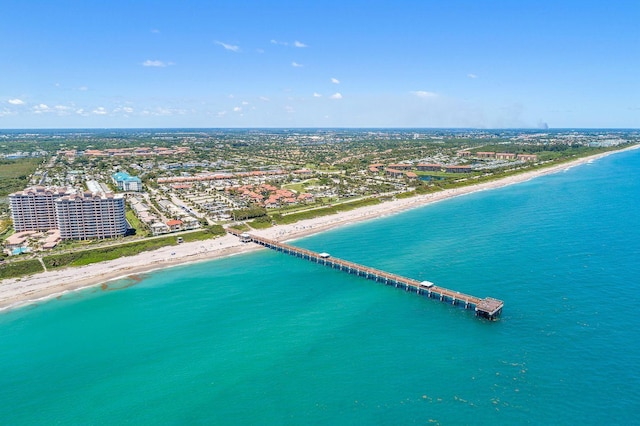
(78, 216)
(126, 182)
(91, 215)
(34, 208)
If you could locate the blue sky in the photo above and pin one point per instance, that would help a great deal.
(403, 63)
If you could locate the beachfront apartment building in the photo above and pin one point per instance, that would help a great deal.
(33, 209)
(91, 215)
(77, 216)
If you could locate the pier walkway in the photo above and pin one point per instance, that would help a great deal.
(487, 308)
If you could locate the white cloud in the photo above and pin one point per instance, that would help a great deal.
(237, 109)
(163, 112)
(289, 109)
(16, 101)
(221, 113)
(472, 75)
(264, 99)
(337, 95)
(84, 88)
(125, 110)
(230, 47)
(296, 65)
(245, 103)
(40, 108)
(286, 43)
(100, 111)
(335, 81)
(150, 63)
(317, 95)
(425, 95)
(62, 108)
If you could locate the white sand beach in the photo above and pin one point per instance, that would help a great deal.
(20, 291)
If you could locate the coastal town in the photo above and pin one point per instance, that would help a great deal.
(325, 213)
(92, 190)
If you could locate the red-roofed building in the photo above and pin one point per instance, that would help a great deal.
(527, 157)
(505, 156)
(272, 202)
(174, 224)
(394, 173)
(303, 172)
(487, 154)
(180, 186)
(306, 198)
(457, 169)
(424, 167)
(268, 187)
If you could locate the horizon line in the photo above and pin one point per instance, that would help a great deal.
(318, 128)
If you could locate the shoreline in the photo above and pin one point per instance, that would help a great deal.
(18, 292)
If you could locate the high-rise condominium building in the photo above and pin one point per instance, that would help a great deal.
(91, 215)
(78, 216)
(34, 208)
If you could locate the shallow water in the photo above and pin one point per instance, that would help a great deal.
(270, 339)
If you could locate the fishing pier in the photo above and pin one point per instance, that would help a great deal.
(488, 307)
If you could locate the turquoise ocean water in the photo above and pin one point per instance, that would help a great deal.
(265, 338)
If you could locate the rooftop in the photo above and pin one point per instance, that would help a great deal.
(123, 176)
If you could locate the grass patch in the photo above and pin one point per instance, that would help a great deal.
(20, 268)
(5, 229)
(324, 211)
(408, 194)
(14, 174)
(242, 227)
(203, 234)
(261, 224)
(343, 207)
(135, 223)
(87, 257)
(297, 187)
